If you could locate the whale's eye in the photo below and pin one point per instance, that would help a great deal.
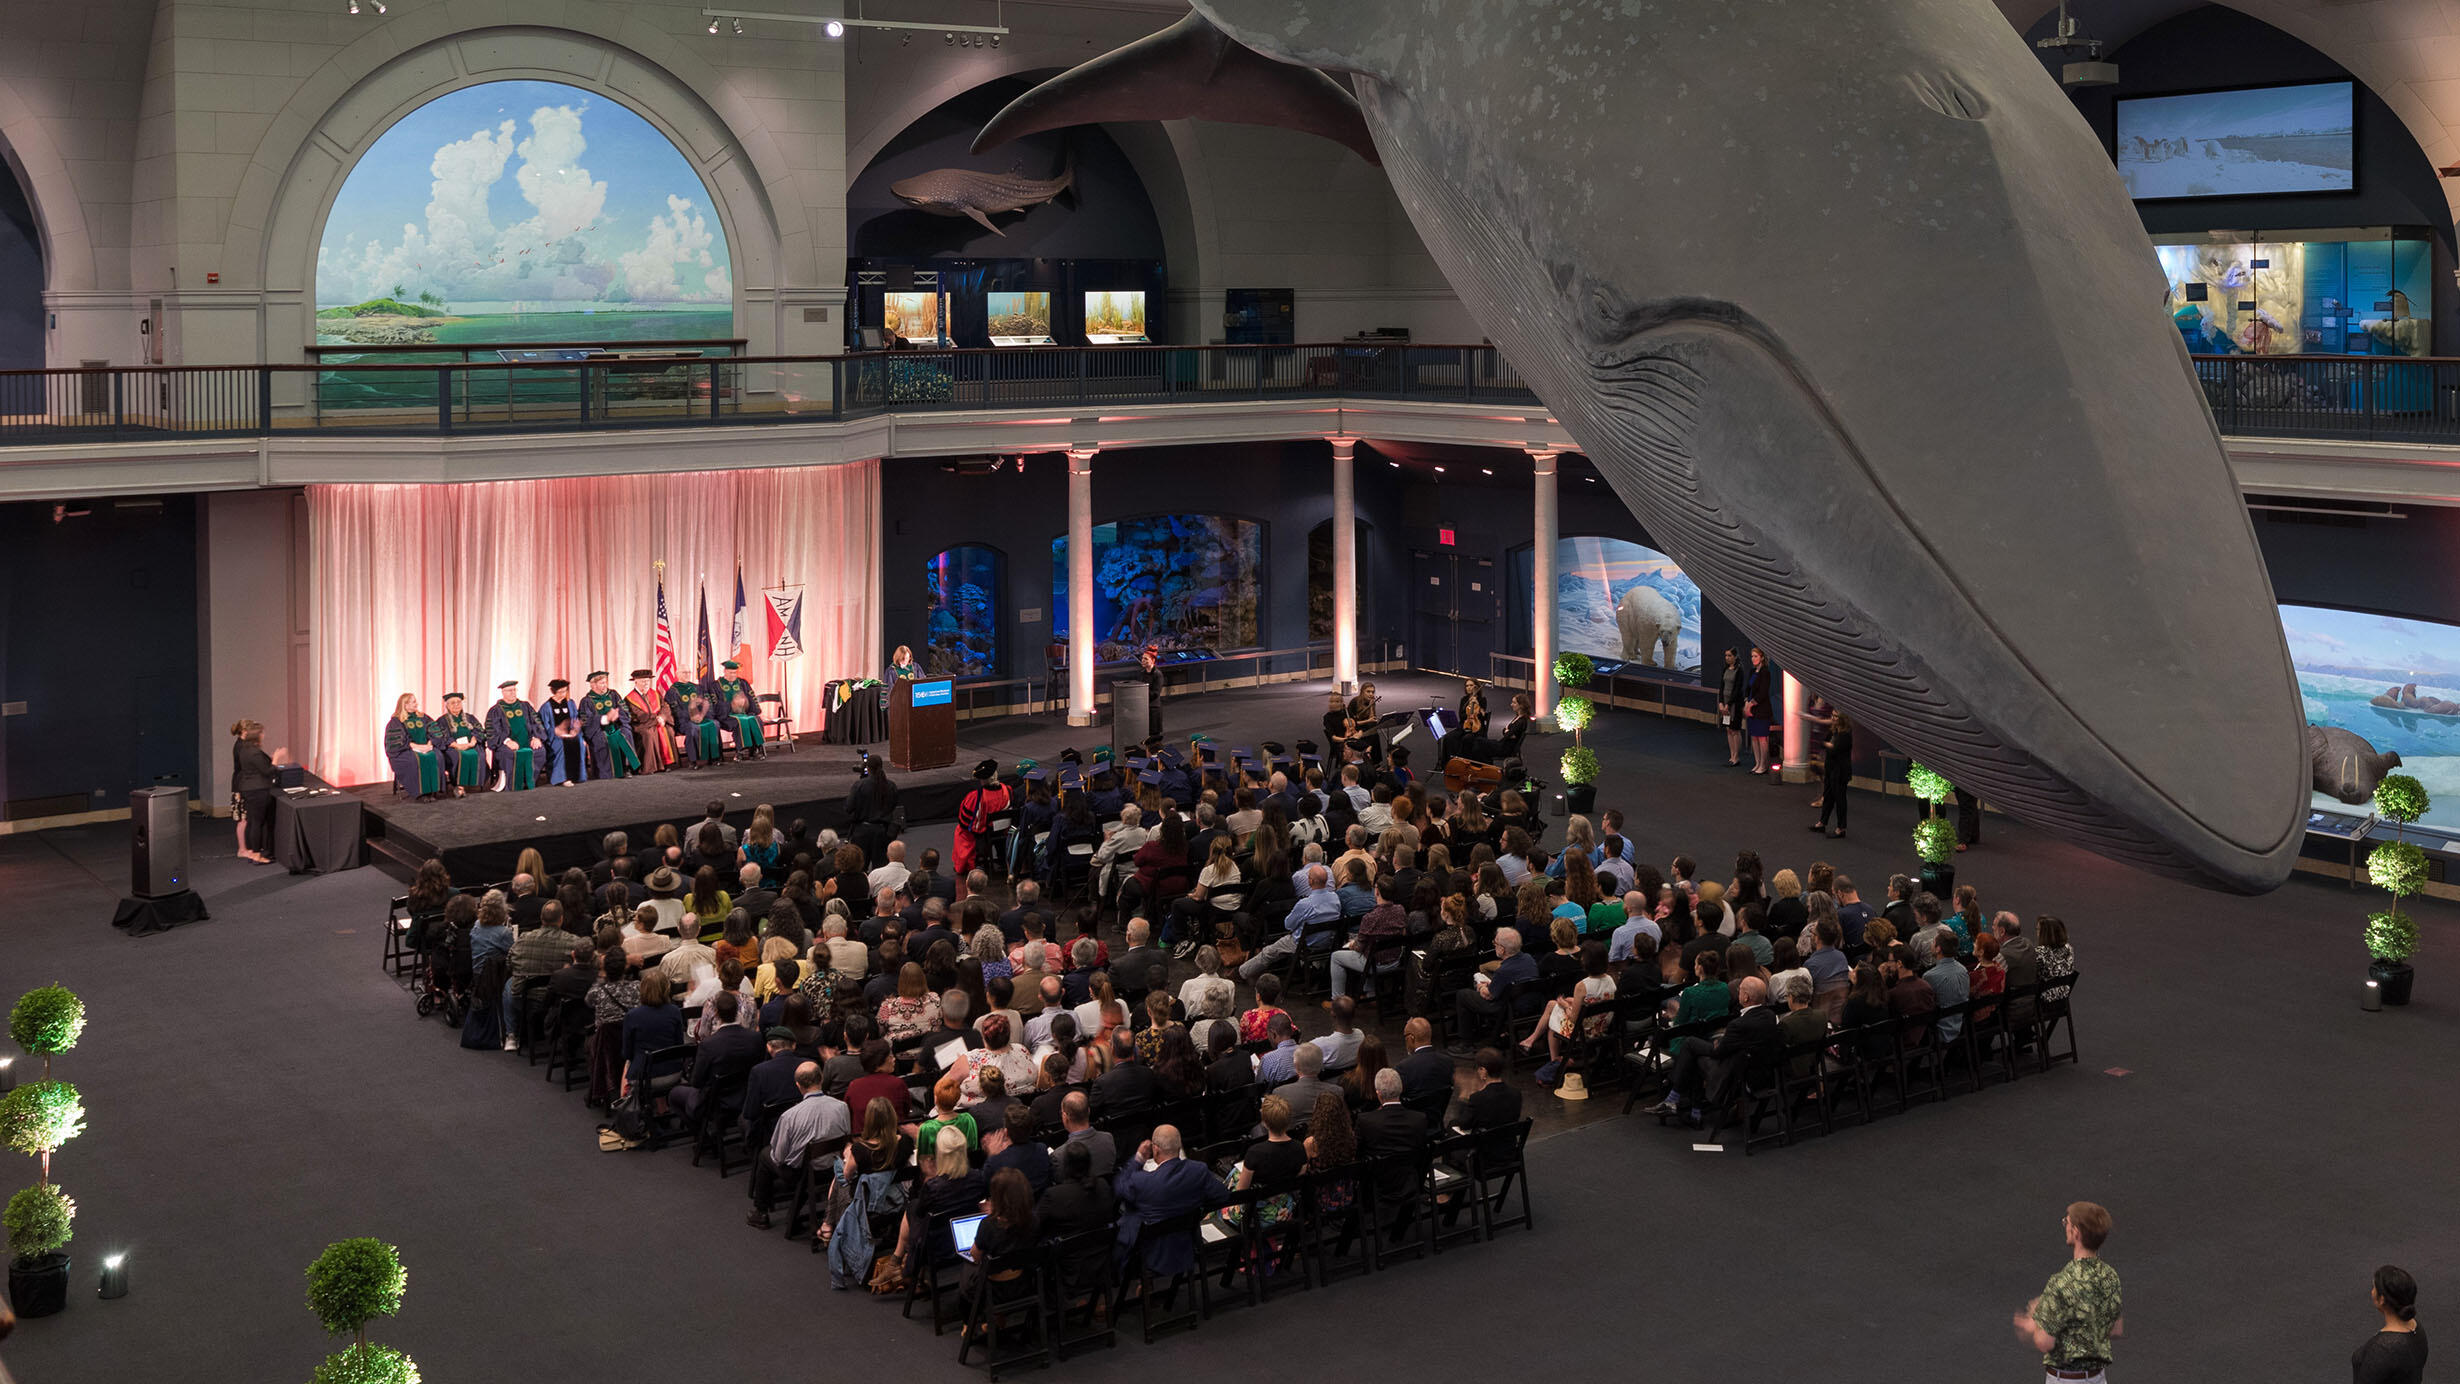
(1948, 96)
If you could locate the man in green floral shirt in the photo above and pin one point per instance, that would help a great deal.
(2071, 1323)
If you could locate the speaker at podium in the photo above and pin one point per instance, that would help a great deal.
(922, 724)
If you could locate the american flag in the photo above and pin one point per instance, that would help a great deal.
(666, 639)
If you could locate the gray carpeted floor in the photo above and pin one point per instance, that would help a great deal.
(256, 1089)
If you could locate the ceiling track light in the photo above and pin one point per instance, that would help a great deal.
(836, 26)
(738, 28)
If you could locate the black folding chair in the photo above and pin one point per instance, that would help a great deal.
(1013, 1300)
(1083, 1279)
(1334, 1201)
(720, 1124)
(1398, 1222)
(2053, 1015)
(936, 1276)
(1182, 1228)
(1498, 1165)
(569, 1025)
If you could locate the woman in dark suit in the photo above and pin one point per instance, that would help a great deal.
(1755, 709)
(1729, 707)
(252, 780)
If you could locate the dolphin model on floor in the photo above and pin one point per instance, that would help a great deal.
(1851, 309)
(964, 192)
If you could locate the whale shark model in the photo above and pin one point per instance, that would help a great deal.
(1851, 309)
(964, 192)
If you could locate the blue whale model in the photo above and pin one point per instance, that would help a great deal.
(1853, 312)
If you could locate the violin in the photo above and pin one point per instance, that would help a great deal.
(1473, 712)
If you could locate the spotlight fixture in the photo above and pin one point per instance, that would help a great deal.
(713, 26)
(834, 29)
(354, 6)
(1439, 470)
(1486, 470)
(948, 39)
(738, 28)
(114, 1277)
(8, 1074)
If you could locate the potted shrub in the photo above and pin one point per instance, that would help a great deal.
(350, 1283)
(1574, 713)
(1580, 770)
(2398, 867)
(45, 1021)
(1934, 839)
(38, 1220)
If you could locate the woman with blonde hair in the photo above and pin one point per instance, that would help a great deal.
(252, 783)
(1579, 838)
(779, 969)
(410, 747)
(1788, 911)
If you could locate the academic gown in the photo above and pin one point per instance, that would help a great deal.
(699, 719)
(517, 722)
(652, 730)
(974, 814)
(465, 766)
(566, 759)
(611, 742)
(743, 729)
(420, 775)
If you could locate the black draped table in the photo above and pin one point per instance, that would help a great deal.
(862, 719)
(317, 833)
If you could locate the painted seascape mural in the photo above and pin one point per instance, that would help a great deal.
(1619, 602)
(1183, 581)
(2376, 687)
(522, 211)
(961, 605)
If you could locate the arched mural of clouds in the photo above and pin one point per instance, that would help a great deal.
(502, 210)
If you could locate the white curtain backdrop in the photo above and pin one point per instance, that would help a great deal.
(454, 588)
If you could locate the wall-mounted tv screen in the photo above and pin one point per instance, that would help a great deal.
(1115, 318)
(2385, 694)
(2251, 142)
(1021, 319)
(914, 316)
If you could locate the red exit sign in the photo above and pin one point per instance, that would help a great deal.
(1444, 537)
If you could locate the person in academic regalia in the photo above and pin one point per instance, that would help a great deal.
(410, 747)
(700, 724)
(607, 726)
(465, 746)
(679, 696)
(653, 723)
(516, 738)
(566, 761)
(987, 799)
(738, 709)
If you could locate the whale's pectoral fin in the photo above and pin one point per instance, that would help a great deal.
(976, 213)
(1189, 70)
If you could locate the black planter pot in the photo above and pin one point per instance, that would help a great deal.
(1939, 879)
(2394, 978)
(1580, 798)
(38, 1287)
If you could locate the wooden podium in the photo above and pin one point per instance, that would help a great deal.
(922, 724)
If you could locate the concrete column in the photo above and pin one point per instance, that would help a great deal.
(1345, 565)
(1542, 582)
(1796, 763)
(1080, 586)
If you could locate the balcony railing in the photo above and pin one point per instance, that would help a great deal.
(2365, 398)
(157, 403)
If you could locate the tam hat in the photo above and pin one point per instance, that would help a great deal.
(986, 769)
(730, 663)
(455, 697)
(642, 674)
(664, 882)
(508, 682)
(557, 684)
(597, 675)
(1101, 754)
(1070, 756)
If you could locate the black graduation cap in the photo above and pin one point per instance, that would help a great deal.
(1282, 764)
(639, 674)
(1070, 756)
(1274, 748)
(1208, 753)
(599, 674)
(557, 684)
(455, 697)
(986, 769)
(508, 682)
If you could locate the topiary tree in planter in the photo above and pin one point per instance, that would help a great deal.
(39, 1221)
(1580, 774)
(351, 1283)
(1928, 784)
(1574, 713)
(40, 1116)
(2399, 868)
(1573, 670)
(46, 1021)
(1934, 840)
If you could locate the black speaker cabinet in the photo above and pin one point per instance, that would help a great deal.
(160, 816)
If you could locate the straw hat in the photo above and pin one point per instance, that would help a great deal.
(1572, 1087)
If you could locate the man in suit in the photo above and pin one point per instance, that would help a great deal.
(612, 847)
(2023, 962)
(1486, 1101)
(1129, 1084)
(730, 1052)
(1899, 911)
(1130, 968)
(1392, 1130)
(1028, 903)
(1172, 1186)
(771, 1084)
(1427, 1069)
(1307, 1083)
(1478, 1007)
(1754, 1038)
(1076, 1117)
(716, 817)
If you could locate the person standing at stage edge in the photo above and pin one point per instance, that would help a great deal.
(988, 799)
(2077, 1314)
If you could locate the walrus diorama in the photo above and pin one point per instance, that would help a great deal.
(2346, 766)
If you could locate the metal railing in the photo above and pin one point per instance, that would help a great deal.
(1664, 692)
(2363, 398)
(39, 407)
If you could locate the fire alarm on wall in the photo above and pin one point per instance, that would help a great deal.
(213, 278)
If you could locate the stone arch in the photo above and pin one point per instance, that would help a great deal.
(2401, 50)
(278, 218)
(59, 214)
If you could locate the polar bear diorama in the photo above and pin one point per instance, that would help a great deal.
(1649, 623)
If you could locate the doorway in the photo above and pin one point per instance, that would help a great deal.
(1454, 607)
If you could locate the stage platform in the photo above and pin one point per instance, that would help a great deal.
(480, 837)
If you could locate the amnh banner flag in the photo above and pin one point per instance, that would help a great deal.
(785, 621)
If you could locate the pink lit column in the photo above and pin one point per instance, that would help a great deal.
(1345, 565)
(1080, 586)
(1797, 749)
(1542, 586)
